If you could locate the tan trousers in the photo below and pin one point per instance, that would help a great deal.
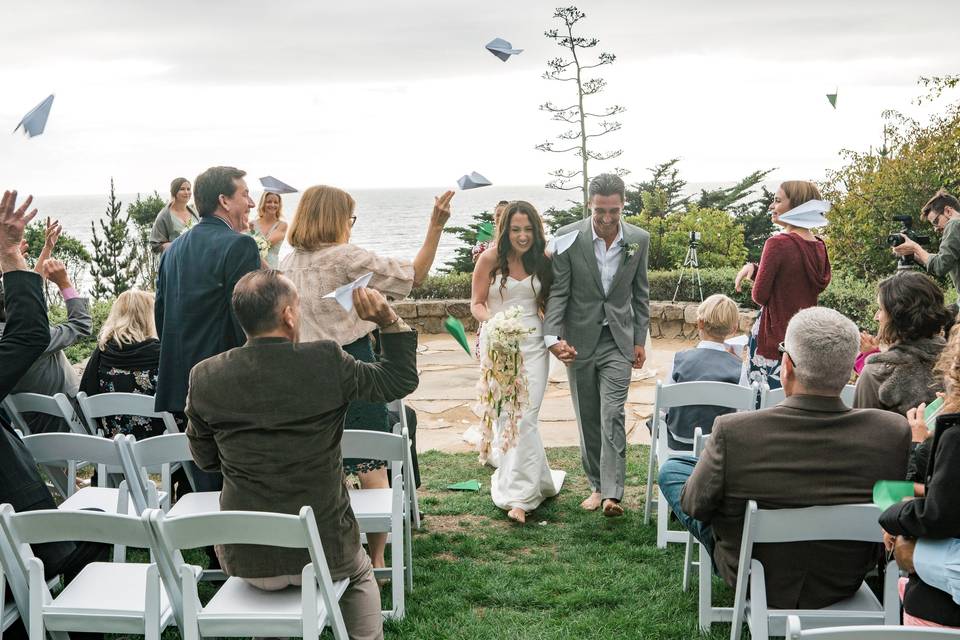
(360, 604)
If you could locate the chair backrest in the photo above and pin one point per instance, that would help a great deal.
(699, 441)
(61, 447)
(868, 632)
(122, 404)
(717, 394)
(16, 404)
(172, 535)
(142, 490)
(375, 445)
(772, 397)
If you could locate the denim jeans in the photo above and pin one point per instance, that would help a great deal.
(673, 475)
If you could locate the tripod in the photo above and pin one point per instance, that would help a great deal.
(692, 262)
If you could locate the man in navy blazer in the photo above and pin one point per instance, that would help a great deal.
(195, 282)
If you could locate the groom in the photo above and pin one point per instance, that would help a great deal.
(596, 323)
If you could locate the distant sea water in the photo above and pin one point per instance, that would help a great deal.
(391, 222)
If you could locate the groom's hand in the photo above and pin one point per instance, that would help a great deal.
(639, 356)
(564, 352)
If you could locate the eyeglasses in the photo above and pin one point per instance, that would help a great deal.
(783, 349)
(353, 221)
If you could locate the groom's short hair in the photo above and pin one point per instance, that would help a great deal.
(607, 184)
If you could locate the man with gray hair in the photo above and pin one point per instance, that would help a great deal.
(809, 450)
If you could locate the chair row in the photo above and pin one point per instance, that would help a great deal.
(685, 394)
(146, 598)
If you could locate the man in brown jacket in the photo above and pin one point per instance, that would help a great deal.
(809, 450)
(269, 416)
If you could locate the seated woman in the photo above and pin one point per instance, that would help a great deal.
(911, 317)
(126, 360)
(934, 516)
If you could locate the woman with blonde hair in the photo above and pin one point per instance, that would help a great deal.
(270, 225)
(794, 269)
(126, 360)
(323, 259)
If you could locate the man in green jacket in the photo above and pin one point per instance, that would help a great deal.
(943, 212)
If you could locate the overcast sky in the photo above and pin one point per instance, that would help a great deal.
(391, 94)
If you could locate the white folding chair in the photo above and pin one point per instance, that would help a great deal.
(683, 394)
(385, 510)
(871, 632)
(103, 405)
(239, 609)
(699, 442)
(162, 453)
(105, 597)
(772, 397)
(399, 408)
(852, 522)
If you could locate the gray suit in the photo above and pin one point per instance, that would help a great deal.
(603, 328)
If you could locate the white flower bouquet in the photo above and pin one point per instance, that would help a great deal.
(502, 388)
(263, 245)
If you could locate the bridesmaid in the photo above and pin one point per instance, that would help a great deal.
(270, 225)
(174, 218)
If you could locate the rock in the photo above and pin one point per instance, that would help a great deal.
(671, 329)
(406, 309)
(690, 314)
(672, 312)
(433, 324)
(654, 328)
(459, 309)
(656, 310)
(747, 320)
(432, 308)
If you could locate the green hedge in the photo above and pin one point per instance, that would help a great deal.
(851, 296)
(84, 347)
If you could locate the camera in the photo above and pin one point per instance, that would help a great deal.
(694, 238)
(896, 239)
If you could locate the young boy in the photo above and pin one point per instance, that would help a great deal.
(710, 360)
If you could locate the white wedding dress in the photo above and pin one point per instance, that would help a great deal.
(523, 479)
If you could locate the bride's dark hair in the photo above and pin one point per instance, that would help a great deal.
(534, 260)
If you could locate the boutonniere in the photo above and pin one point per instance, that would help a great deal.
(629, 250)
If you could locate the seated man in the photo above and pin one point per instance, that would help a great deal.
(269, 415)
(710, 360)
(809, 450)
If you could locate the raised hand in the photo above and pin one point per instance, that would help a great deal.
(56, 272)
(371, 306)
(441, 209)
(13, 221)
(51, 235)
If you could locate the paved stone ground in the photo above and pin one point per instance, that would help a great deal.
(446, 394)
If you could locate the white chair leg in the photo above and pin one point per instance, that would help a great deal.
(648, 500)
(757, 604)
(663, 518)
(151, 611)
(35, 598)
(308, 596)
(687, 562)
(705, 594)
(408, 553)
(891, 597)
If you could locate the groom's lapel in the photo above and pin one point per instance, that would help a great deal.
(585, 244)
(625, 265)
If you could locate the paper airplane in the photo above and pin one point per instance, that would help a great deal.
(502, 49)
(455, 328)
(468, 485)
(832, 97)
(344, 294)
(560, 244)
(272, 185)
(484, 231)
(739, 343)
(809, 215)
(472, 181)
(36, 120)
(890, 492)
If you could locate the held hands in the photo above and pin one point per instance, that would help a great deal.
(743, 274)
(371, 306)
(441, 210)
(918, 426)
(56, 272)
(564, 351)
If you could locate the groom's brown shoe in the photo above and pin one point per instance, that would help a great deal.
(612, 508)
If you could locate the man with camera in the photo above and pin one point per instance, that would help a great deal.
(943, 212)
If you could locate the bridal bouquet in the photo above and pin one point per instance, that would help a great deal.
(263, 245)
(503, 384)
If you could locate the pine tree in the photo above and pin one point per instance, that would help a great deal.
(114, 267)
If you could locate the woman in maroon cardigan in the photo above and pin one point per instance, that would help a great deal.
(794, 269)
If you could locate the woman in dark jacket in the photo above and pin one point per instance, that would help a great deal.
(126, 360)
(936, 514)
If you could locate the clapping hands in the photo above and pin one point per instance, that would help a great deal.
(13, 221)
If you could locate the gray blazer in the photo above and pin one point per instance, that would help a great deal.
(577, 305)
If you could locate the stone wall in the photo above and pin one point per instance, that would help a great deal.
(667, 319)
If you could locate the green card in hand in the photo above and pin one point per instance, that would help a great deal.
(890, 492)
(469, 485)
(455, 328)
(932, 411)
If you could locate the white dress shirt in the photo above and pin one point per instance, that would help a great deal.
(608, 261)
(937, 562)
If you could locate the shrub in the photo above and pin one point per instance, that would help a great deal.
(444, 286)
(82, 349)
(721, 238)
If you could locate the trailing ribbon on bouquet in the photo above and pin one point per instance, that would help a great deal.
(502, 388)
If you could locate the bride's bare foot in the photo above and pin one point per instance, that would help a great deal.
(517, 515)
(592, 503)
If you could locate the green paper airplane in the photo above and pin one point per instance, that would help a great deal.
(890, 492)
(485, 232)
(455, 328)
(832, 97)
(469, 485)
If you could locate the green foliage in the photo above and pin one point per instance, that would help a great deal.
(721, 238)
(726, 197)
(555, 218)
(115, 265)
(854, 297)
(82, 349)
(663, 284)
(915, 160)
(462, 261)
(143, 212)
(661, 195)
(69, 250)
(448, 286)
(757, 224)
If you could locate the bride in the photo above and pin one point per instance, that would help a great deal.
(517, 272)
